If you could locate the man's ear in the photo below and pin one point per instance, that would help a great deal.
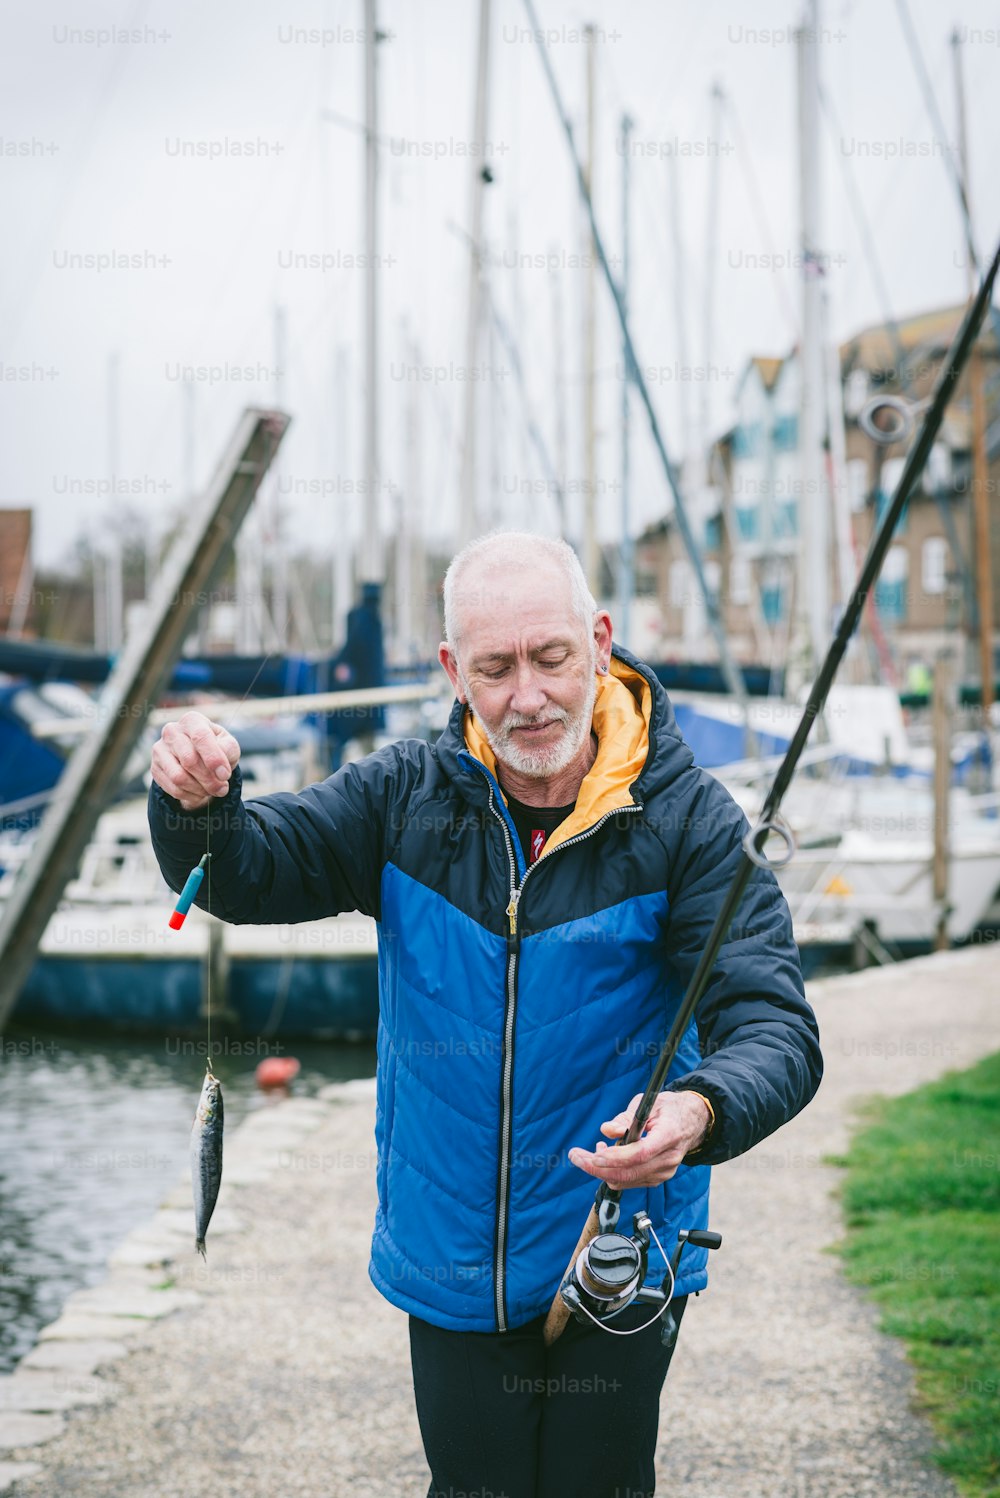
(450, 663)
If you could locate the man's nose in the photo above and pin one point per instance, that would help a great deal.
(528, 695)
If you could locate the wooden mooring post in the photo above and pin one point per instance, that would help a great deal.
(942, 709)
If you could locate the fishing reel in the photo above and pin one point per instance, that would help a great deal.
(609, 1272)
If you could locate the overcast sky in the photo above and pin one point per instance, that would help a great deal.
(136, 146)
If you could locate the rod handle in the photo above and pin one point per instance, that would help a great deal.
(558, 1315)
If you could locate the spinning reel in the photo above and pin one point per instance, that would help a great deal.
(609, 1271)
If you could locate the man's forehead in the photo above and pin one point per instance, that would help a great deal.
(519, 592)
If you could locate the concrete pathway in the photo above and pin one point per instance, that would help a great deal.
(276, 1369)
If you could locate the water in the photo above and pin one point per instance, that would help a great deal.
(93, 1133)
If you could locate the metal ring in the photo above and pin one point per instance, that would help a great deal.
(764, 830)
(885, 436)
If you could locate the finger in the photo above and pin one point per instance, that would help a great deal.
(227, 743)
(606, 1168)
(196, 748)
(617, 1126)
(203, 734)
(170, 774)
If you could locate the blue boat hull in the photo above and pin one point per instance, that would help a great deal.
(282, 999)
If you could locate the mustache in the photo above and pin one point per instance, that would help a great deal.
(518, 720)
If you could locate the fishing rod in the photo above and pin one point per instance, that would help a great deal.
(606, 1270)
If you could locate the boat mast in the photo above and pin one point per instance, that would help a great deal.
(279, 561)
(468, 516)
(626, 567)
(370, 559)
(108, 584)
(812, 601)
(559, 362)
(731, 671)
(708, 310)
(590, 563)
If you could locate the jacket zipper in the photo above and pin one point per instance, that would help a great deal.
(507, 1057)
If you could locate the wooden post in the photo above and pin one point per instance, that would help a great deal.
(981, 513)
(942, 788)
(144, 666)
(980, 472)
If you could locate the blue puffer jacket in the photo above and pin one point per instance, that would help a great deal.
(519, 1009)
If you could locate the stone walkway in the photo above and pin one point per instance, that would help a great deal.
(276, 1369)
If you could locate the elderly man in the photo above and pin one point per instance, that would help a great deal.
(544, 877)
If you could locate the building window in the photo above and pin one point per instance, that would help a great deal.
(934, 564)
(855, 392)
(786, 519)
(747, 522)
(713, 576)
(680, 584)
(713, 533)
(889, 478)
(786, 433)
(857, 482)
(937, 472)
(890, 590)
(739, 581)
(772, 603)
(892, 471)
(746, 440)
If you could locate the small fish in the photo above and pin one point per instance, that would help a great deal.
(206, 1157)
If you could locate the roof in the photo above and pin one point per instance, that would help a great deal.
(769, 369)
(930, 333)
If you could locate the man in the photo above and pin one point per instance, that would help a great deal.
(544, 878)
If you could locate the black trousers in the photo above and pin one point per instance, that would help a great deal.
(502, 1416)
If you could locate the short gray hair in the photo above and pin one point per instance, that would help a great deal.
(500, 550)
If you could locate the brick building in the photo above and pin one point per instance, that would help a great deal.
(15, 571)
(751, 540)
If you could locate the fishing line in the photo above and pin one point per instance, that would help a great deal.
(208, 912)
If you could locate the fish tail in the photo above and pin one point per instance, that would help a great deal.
(199, 1244)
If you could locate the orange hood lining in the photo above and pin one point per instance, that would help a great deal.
(623, 708)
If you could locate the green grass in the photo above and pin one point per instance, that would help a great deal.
(922, 1203)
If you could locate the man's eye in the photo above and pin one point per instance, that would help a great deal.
(560, 662)
(495, 675)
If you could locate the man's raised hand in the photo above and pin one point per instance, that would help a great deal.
(677, 1125)
(193, 760)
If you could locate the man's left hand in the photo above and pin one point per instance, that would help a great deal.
(677, 1125)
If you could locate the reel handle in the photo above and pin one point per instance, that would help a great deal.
(702, 1238)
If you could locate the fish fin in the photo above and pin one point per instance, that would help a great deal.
(199, 1244)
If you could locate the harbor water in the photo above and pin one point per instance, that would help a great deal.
(95, 1132)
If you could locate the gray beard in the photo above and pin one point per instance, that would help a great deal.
(542, 763)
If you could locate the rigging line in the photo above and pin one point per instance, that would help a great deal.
(752, 853)
(892, 326)
(642, 195)
(513, 353)
(731, 671)
(757, 208)
(682, 48)
(930, 100)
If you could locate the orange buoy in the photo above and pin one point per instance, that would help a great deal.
(277, 1071)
